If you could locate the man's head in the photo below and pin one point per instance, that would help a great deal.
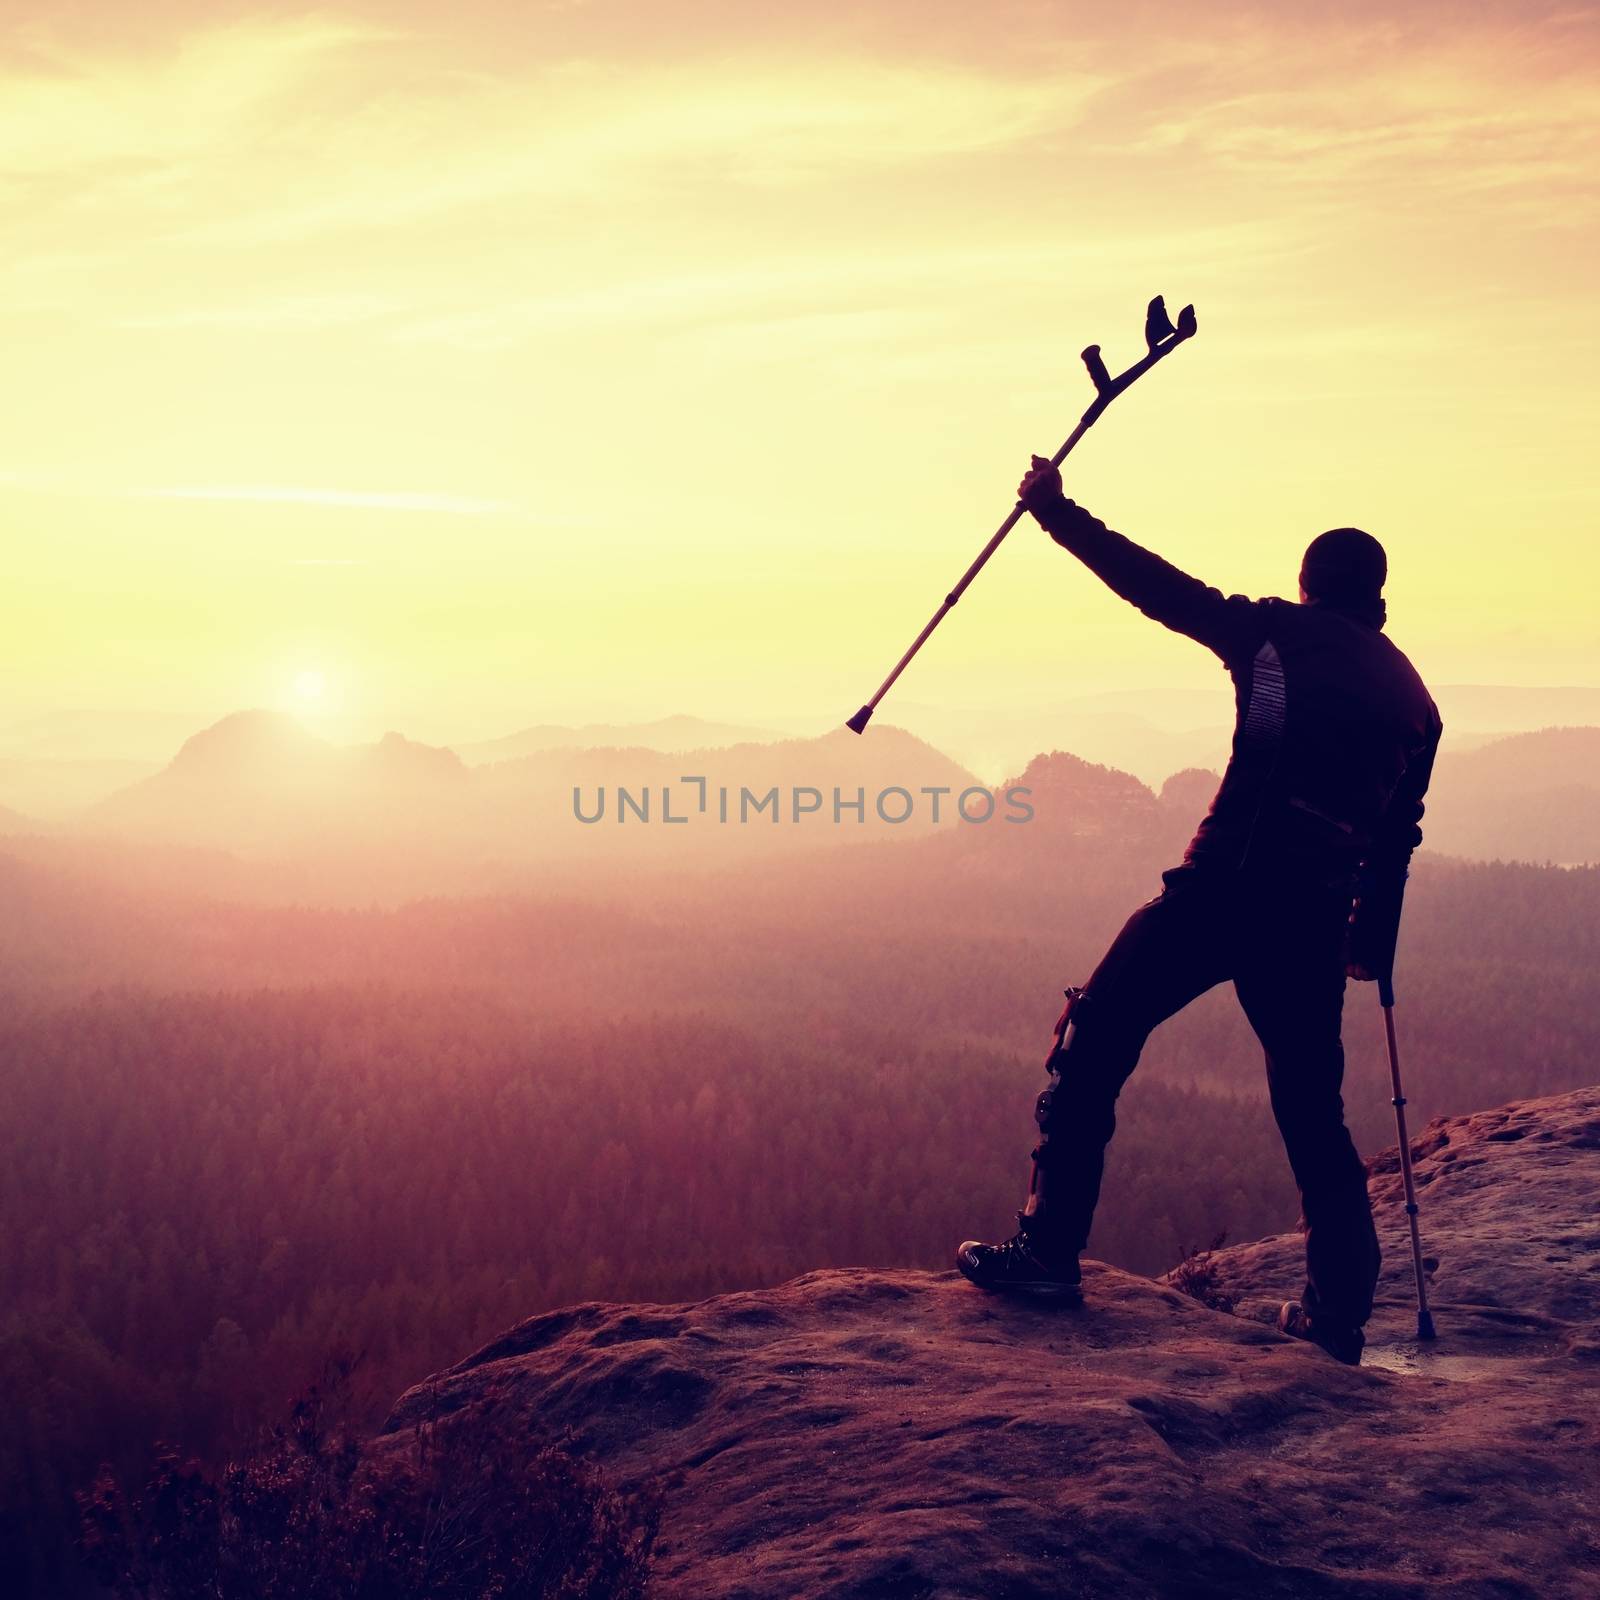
(1345, 567)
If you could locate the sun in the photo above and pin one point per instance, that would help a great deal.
(308, 685)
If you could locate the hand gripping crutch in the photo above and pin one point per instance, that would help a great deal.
(1162, 339)
(1386, 1000)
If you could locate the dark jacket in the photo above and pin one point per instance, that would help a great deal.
(1334, 736)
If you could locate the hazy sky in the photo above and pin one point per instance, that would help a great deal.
(506, 362)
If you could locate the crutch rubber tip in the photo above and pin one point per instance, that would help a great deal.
(858, 723)
(1425, 1325)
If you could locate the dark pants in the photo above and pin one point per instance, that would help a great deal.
(1282, 945)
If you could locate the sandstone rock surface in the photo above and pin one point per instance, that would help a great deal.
(865, 1435)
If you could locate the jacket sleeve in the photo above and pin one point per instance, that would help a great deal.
(1228, 625)
(1375, 917)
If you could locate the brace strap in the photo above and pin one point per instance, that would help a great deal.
(1074, 998)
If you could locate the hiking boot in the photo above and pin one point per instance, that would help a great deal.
(1343, 1344)
(1021, 1266)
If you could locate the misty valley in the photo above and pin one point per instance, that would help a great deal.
(372, 1073)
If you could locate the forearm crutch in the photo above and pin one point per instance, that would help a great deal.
(1386, 1000)
(1162, 339)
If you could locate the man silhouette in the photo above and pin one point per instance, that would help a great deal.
(1292, 883)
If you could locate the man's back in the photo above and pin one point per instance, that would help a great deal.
(1333, 742)
(1334, 734)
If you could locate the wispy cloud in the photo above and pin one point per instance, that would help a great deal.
(135, 187)
(569, 132)
(334, 135)
(348, 499)
(290, 314)
(143, 118)
(1486, 108)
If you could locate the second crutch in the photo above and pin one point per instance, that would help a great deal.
(1386, 1000)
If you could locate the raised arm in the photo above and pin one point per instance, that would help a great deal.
(1226, 624)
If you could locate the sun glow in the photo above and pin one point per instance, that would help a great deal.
(354, 347)
(309, 685)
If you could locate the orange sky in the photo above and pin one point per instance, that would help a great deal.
(500, 363)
